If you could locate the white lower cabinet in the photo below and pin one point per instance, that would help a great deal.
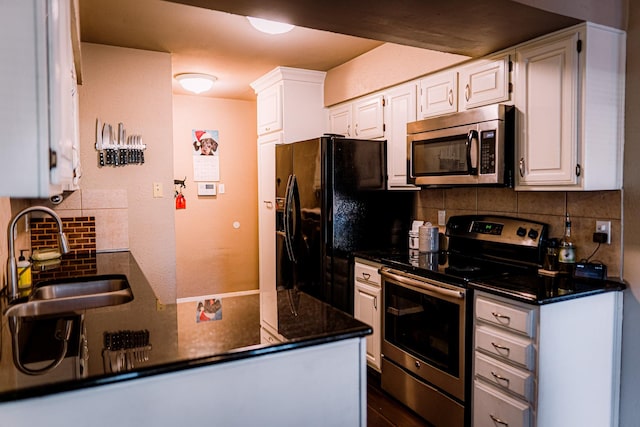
(549, 365)
(367, 306)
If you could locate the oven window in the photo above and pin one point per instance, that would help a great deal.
(424, 326)
(442, 156)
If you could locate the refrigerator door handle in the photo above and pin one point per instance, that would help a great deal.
(287, 218)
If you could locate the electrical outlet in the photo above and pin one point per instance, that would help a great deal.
(157, 189)
(604, 227)
(442, 217)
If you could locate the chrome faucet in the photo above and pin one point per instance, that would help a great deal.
(12, 267)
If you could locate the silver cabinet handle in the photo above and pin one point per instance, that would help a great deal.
(521, 166)
(498, 420)
(466, 92)
(366, 276)
(500, 348)
(499, 317)
(269, 204)
(451, 97)
(356, 129)
(375, 302)
(500, 378)
(348, 130)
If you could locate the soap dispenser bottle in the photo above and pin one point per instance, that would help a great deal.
(24, 271)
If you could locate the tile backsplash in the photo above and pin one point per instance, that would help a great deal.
(548, 207)
(81, 235)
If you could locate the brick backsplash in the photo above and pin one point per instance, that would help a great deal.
(81, 235)
(80, 232)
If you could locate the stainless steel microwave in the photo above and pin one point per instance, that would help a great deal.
(473, 147)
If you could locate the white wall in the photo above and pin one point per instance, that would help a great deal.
(134, 87)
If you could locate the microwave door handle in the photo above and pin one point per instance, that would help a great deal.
(472, 151)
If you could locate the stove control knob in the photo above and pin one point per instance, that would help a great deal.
(533, 234)
(521, 231)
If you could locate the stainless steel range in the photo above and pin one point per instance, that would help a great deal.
(428, 311)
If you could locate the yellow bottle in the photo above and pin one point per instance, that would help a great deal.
(24, 271)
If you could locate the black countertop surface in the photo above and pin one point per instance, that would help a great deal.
(145, 337)
(530, 288)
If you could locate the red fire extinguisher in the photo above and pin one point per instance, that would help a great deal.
(181, 202)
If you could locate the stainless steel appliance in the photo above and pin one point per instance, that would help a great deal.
(473, 147)
(428, 310)
(330, 202)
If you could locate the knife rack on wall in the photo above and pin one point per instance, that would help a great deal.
(115, 148)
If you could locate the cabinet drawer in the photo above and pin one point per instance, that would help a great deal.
(519, 319)
(366, 273)
(506, 346)
(515, 380)
(494, 409)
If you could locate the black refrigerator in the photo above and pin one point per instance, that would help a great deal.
(331, 201)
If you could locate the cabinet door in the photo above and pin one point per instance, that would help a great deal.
(340, 120)
(368, 117)
(439, 94)
(366, 309)
(484, 83)
(492, 408)
(267, 210)
(547, 100)
(270, 110)
(400, 110)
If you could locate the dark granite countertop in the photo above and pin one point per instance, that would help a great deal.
(145, 337)
(532, 289)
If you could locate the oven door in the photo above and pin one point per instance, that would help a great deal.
(424, 329)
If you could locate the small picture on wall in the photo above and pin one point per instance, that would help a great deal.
(205, 142)
(206, 155)
(208, 310)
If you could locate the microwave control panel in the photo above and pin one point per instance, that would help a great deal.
(488, 152)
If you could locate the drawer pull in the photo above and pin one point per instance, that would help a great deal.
(500, 378)
(500, 317)
(366, 276)
(498, 420)
(501, 349)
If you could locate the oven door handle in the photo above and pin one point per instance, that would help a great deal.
(420, 284)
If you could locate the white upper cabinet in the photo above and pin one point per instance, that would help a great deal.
(400, 109)
(484, 82)
(438, 94)
(361, 119)
(291, 100)
(39, 100)
(570, 100)
(269, 104)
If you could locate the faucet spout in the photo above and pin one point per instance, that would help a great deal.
(12, 267)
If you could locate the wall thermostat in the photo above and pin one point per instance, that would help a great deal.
(206, 189)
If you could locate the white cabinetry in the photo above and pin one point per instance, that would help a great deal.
(39, 105)
(484, 82)
(367, 305)
(400, 109)
(570, 101)
(290, 105)
(362, 119)
(551, 365)
(439, 94)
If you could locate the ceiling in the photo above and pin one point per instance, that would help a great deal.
(213, 36)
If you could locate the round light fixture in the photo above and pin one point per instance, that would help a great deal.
(270, 27)
(196, 83)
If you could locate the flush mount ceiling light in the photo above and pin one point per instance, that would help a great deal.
(269, 27)
(196, 83)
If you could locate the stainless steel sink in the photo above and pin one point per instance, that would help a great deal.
(73, 295)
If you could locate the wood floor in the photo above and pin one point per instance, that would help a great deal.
(384, 411)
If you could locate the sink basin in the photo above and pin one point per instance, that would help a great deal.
(72, 295)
